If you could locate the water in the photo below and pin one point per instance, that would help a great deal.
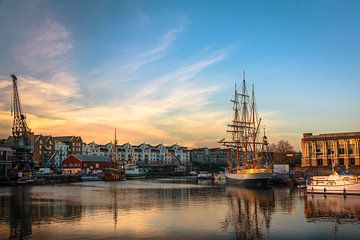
(172, 209)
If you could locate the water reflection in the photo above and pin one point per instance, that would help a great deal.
(167, 210)
(250, 212)
(332, 208)
(22, 209)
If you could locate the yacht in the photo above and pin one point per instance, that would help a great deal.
(337, 182)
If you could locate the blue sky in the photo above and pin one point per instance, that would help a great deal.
(164, 71)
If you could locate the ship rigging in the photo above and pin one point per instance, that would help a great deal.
(248, 156)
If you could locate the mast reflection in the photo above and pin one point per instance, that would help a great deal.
(250, 212)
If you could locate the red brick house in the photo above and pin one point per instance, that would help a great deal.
(44, 148)
(85, 164)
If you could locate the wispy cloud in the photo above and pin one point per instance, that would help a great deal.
(178, 77)
(43, 48)
(156, 52)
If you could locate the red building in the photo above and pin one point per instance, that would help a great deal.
(85, 164)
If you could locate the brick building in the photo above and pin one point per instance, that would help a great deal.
(44, 148)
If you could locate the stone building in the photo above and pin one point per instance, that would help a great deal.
(340, 149)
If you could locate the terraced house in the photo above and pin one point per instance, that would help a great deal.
(145, 155)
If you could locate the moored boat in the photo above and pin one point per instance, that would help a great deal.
(249, 177)
(113, 174)
(249, 160)
(117, 172)
(335, 183)
(134, 172)
(204, 175)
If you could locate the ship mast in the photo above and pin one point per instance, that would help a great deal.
(115, 150)
(243, 131)
(244, 112)
(235, 133)
(253, 125)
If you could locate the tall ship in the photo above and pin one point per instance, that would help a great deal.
(117, 172)
(249, 160)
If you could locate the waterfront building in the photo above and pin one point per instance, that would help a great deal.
(144, 155)
(75, 143)
(5, 161)
(85, 164)
(62, 150)
(206, 155)
(340, 149)
(44, 148)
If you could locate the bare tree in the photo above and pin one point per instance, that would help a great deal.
(284, 146)
(272, 147)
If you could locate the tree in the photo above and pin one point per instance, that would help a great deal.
(272, 147)
(284, 147)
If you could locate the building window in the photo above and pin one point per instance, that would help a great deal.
(352, 162)
(341, 162)
(341, 151)
(329, 162)
(319, 162)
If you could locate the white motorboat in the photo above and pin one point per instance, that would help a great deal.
(134, 172)
(337, 183)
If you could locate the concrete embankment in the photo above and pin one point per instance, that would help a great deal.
(52, 179)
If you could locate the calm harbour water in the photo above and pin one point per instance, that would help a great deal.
(164, 209)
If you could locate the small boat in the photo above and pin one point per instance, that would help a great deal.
(192, 173)
(338, 183)
(203, 175)
(134, 172)
(113, 174)
(89, 178)
(117, 172)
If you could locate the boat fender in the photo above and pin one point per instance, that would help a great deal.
(344, 191)
(324, 189)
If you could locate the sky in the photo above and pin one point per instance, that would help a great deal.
(164, 71)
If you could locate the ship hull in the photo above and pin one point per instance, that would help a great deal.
(113, 174)
(250, 179)
(335, 184)
(135, 175)
(345, 189)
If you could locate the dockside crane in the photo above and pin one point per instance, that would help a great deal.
(180, 169)
(23, 142)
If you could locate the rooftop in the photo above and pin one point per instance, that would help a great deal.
(88, 158)
(331, 136)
